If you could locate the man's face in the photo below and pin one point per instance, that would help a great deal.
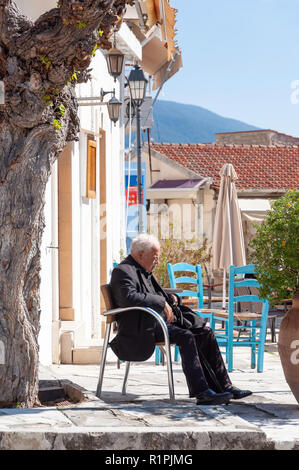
(149, 259)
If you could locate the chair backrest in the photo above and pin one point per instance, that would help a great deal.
(194, 279)
(107, 296)
(245, 290)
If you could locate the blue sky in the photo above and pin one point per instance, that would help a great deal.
(240, 60)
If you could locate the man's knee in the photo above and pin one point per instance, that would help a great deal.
(182, 336)
(205, 333)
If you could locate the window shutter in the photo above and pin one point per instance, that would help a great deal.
(91, 169)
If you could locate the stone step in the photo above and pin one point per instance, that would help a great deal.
(87, 355)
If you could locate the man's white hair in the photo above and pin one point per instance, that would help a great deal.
(144, 242)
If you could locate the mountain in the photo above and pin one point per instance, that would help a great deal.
(186, 123)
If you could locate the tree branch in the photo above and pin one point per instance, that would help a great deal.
(41, 62)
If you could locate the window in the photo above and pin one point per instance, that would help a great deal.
(91, 170)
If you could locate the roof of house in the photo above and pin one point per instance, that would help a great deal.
(257, 166)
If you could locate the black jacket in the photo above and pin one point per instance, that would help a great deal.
(135, 339)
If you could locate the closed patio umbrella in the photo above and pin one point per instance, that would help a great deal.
(228, 240)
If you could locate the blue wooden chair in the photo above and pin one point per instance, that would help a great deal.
(251, 335)
(194, 278)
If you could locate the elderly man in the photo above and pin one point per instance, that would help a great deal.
(133, 285)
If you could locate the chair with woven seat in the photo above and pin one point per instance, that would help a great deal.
(256, 323)
(110, 314)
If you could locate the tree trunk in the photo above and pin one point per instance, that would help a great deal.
(39, 63)
(22, 190)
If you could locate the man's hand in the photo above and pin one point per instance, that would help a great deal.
(175, 299)
(168, 313)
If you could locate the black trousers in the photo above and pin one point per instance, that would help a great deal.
(193, 344)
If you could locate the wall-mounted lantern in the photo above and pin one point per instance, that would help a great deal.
(113, 105)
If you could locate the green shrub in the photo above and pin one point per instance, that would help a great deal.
(276, 249)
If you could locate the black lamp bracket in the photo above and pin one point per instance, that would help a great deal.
(104, 93)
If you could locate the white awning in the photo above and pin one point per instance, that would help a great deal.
(254, 205)
(254, 210)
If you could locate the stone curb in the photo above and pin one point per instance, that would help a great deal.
(129, 438)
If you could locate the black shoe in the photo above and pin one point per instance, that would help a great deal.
(209, 397)
(237, 393)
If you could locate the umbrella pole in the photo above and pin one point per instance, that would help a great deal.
(224, 290)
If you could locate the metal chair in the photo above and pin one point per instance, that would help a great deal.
(110, 315)
(225, 336)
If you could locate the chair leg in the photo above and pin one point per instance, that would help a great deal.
(273, 332)
(253, 347)
(176, 353)
(261, 347)
(103, 360)
(124, 389)
(157, 356)
(226, 343)
(170, 374)
(230, 348)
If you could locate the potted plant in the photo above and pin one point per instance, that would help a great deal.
(276, 256)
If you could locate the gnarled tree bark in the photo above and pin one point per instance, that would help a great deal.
(40, 63)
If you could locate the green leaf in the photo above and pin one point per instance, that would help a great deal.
(45, 60)
(62, 109)
(57, 124)
(94, 50)
(81, 25)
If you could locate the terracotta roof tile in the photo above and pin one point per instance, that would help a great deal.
(257, 166)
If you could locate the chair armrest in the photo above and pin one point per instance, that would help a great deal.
(117, 311)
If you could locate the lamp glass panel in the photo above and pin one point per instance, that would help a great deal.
(115, 60)
(138, 90)
(113, 110)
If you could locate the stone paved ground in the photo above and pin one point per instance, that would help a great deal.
(144, 418)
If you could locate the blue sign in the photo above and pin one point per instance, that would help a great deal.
(131, 188)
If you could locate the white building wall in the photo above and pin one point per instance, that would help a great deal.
(48, 344)
(34, 8)
(86, 226)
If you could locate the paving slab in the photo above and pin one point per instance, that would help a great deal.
(33, 418)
